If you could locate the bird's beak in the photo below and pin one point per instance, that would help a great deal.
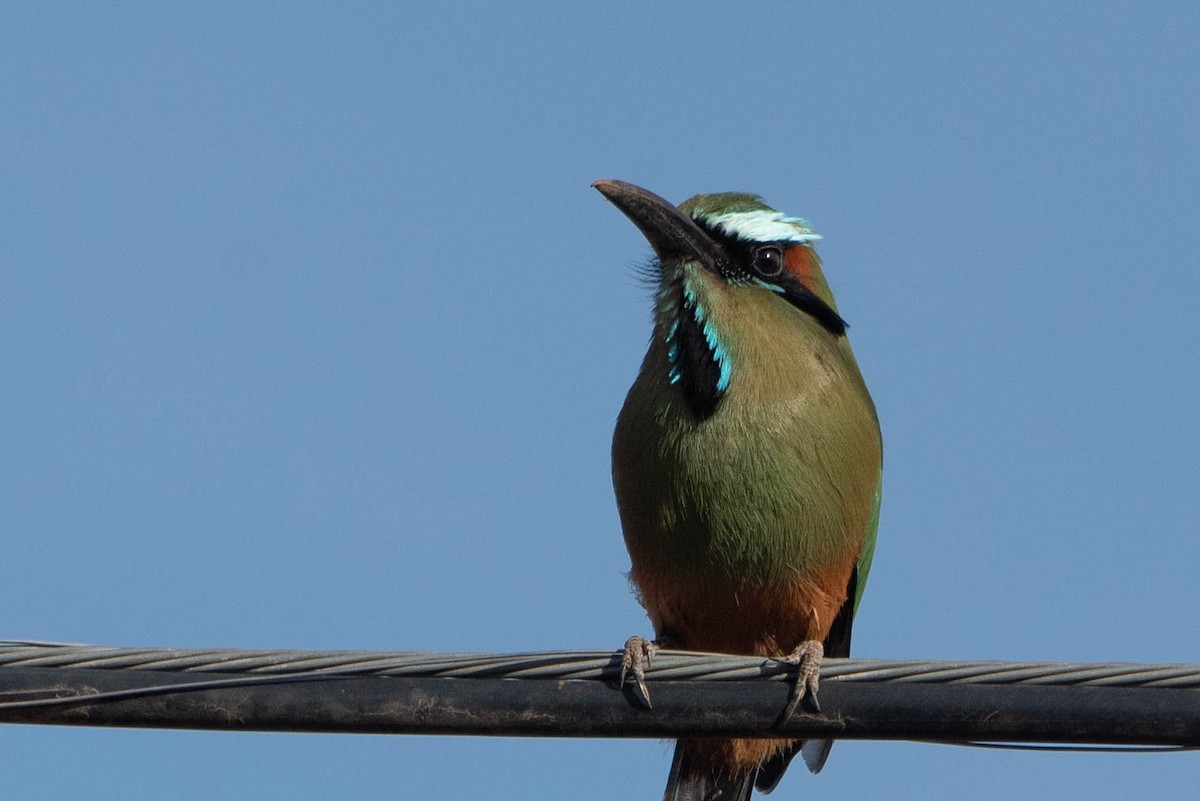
(669, 231)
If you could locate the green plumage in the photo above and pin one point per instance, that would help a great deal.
(773, 482)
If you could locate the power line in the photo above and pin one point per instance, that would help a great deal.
(574, 694)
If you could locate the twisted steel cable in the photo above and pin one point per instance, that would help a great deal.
(573, 693)
(585, 666)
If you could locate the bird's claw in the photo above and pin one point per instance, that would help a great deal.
(807, 659)
(634, 661)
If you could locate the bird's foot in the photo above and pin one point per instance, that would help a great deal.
(807, 659)
(634, 661)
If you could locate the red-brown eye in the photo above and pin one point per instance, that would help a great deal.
(768, 261)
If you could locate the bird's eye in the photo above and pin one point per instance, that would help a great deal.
(768, 261)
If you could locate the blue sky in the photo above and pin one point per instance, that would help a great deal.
(314, 335)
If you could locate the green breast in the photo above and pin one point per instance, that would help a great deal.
(780, 481)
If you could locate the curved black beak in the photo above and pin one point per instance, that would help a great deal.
(669, 231)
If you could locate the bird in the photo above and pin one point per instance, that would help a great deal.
(747, 465)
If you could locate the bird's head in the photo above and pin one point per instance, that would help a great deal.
(735, 237)
(713, 243)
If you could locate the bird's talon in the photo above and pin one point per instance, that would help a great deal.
(634, 660)
(807, 659)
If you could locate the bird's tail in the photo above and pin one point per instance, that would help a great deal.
(815, 752)
(694, 778)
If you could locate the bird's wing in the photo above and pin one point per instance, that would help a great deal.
(837, 644)
(868, 548)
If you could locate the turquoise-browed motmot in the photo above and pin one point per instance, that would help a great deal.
(746, 462)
